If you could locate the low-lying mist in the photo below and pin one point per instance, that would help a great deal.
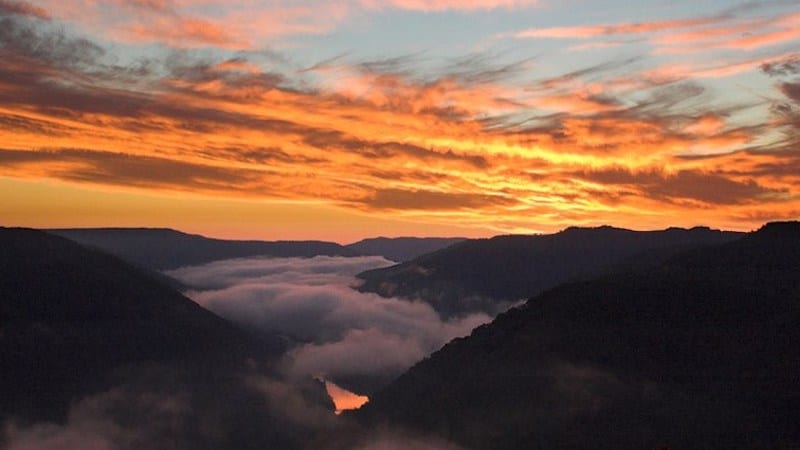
(358, 340)
(169, 406)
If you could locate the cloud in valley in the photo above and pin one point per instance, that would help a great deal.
(343, 334)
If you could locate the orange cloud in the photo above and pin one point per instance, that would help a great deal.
(23, 8)
(706, 125)
(685, 36)
(590, 31)
(766, 39)
(739, 34)
(188, 24)
(469, 144)
(443, 5)
(184, 31)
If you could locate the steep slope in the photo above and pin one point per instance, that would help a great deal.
(699, 352)
(164, 249)
(402, 248)
(486, 274)
(69, 316)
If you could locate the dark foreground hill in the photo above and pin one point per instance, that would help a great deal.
(402, 248)
(699, 352)
(165, 249)
(77, 323)
(487, 274)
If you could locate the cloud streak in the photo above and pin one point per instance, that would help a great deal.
(23, 8)
(583, 32)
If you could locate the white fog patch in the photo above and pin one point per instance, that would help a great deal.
(342, 332)
(315, 271)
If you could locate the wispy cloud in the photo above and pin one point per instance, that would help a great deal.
(249, 25)
(690, 35)
(590, 31)
(444, 5)
(23, 8)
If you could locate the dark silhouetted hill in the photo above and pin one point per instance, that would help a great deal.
(402, 248)
(487, 274)
(165, 249)
(700, 351)
(71, 317)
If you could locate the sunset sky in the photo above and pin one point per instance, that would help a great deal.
(347, 119)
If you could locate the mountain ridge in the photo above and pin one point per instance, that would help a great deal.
(166, 248)
(698, 352)
(70, 315)
(489, 274)
(402, 248)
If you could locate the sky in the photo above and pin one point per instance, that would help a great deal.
(353, 118)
